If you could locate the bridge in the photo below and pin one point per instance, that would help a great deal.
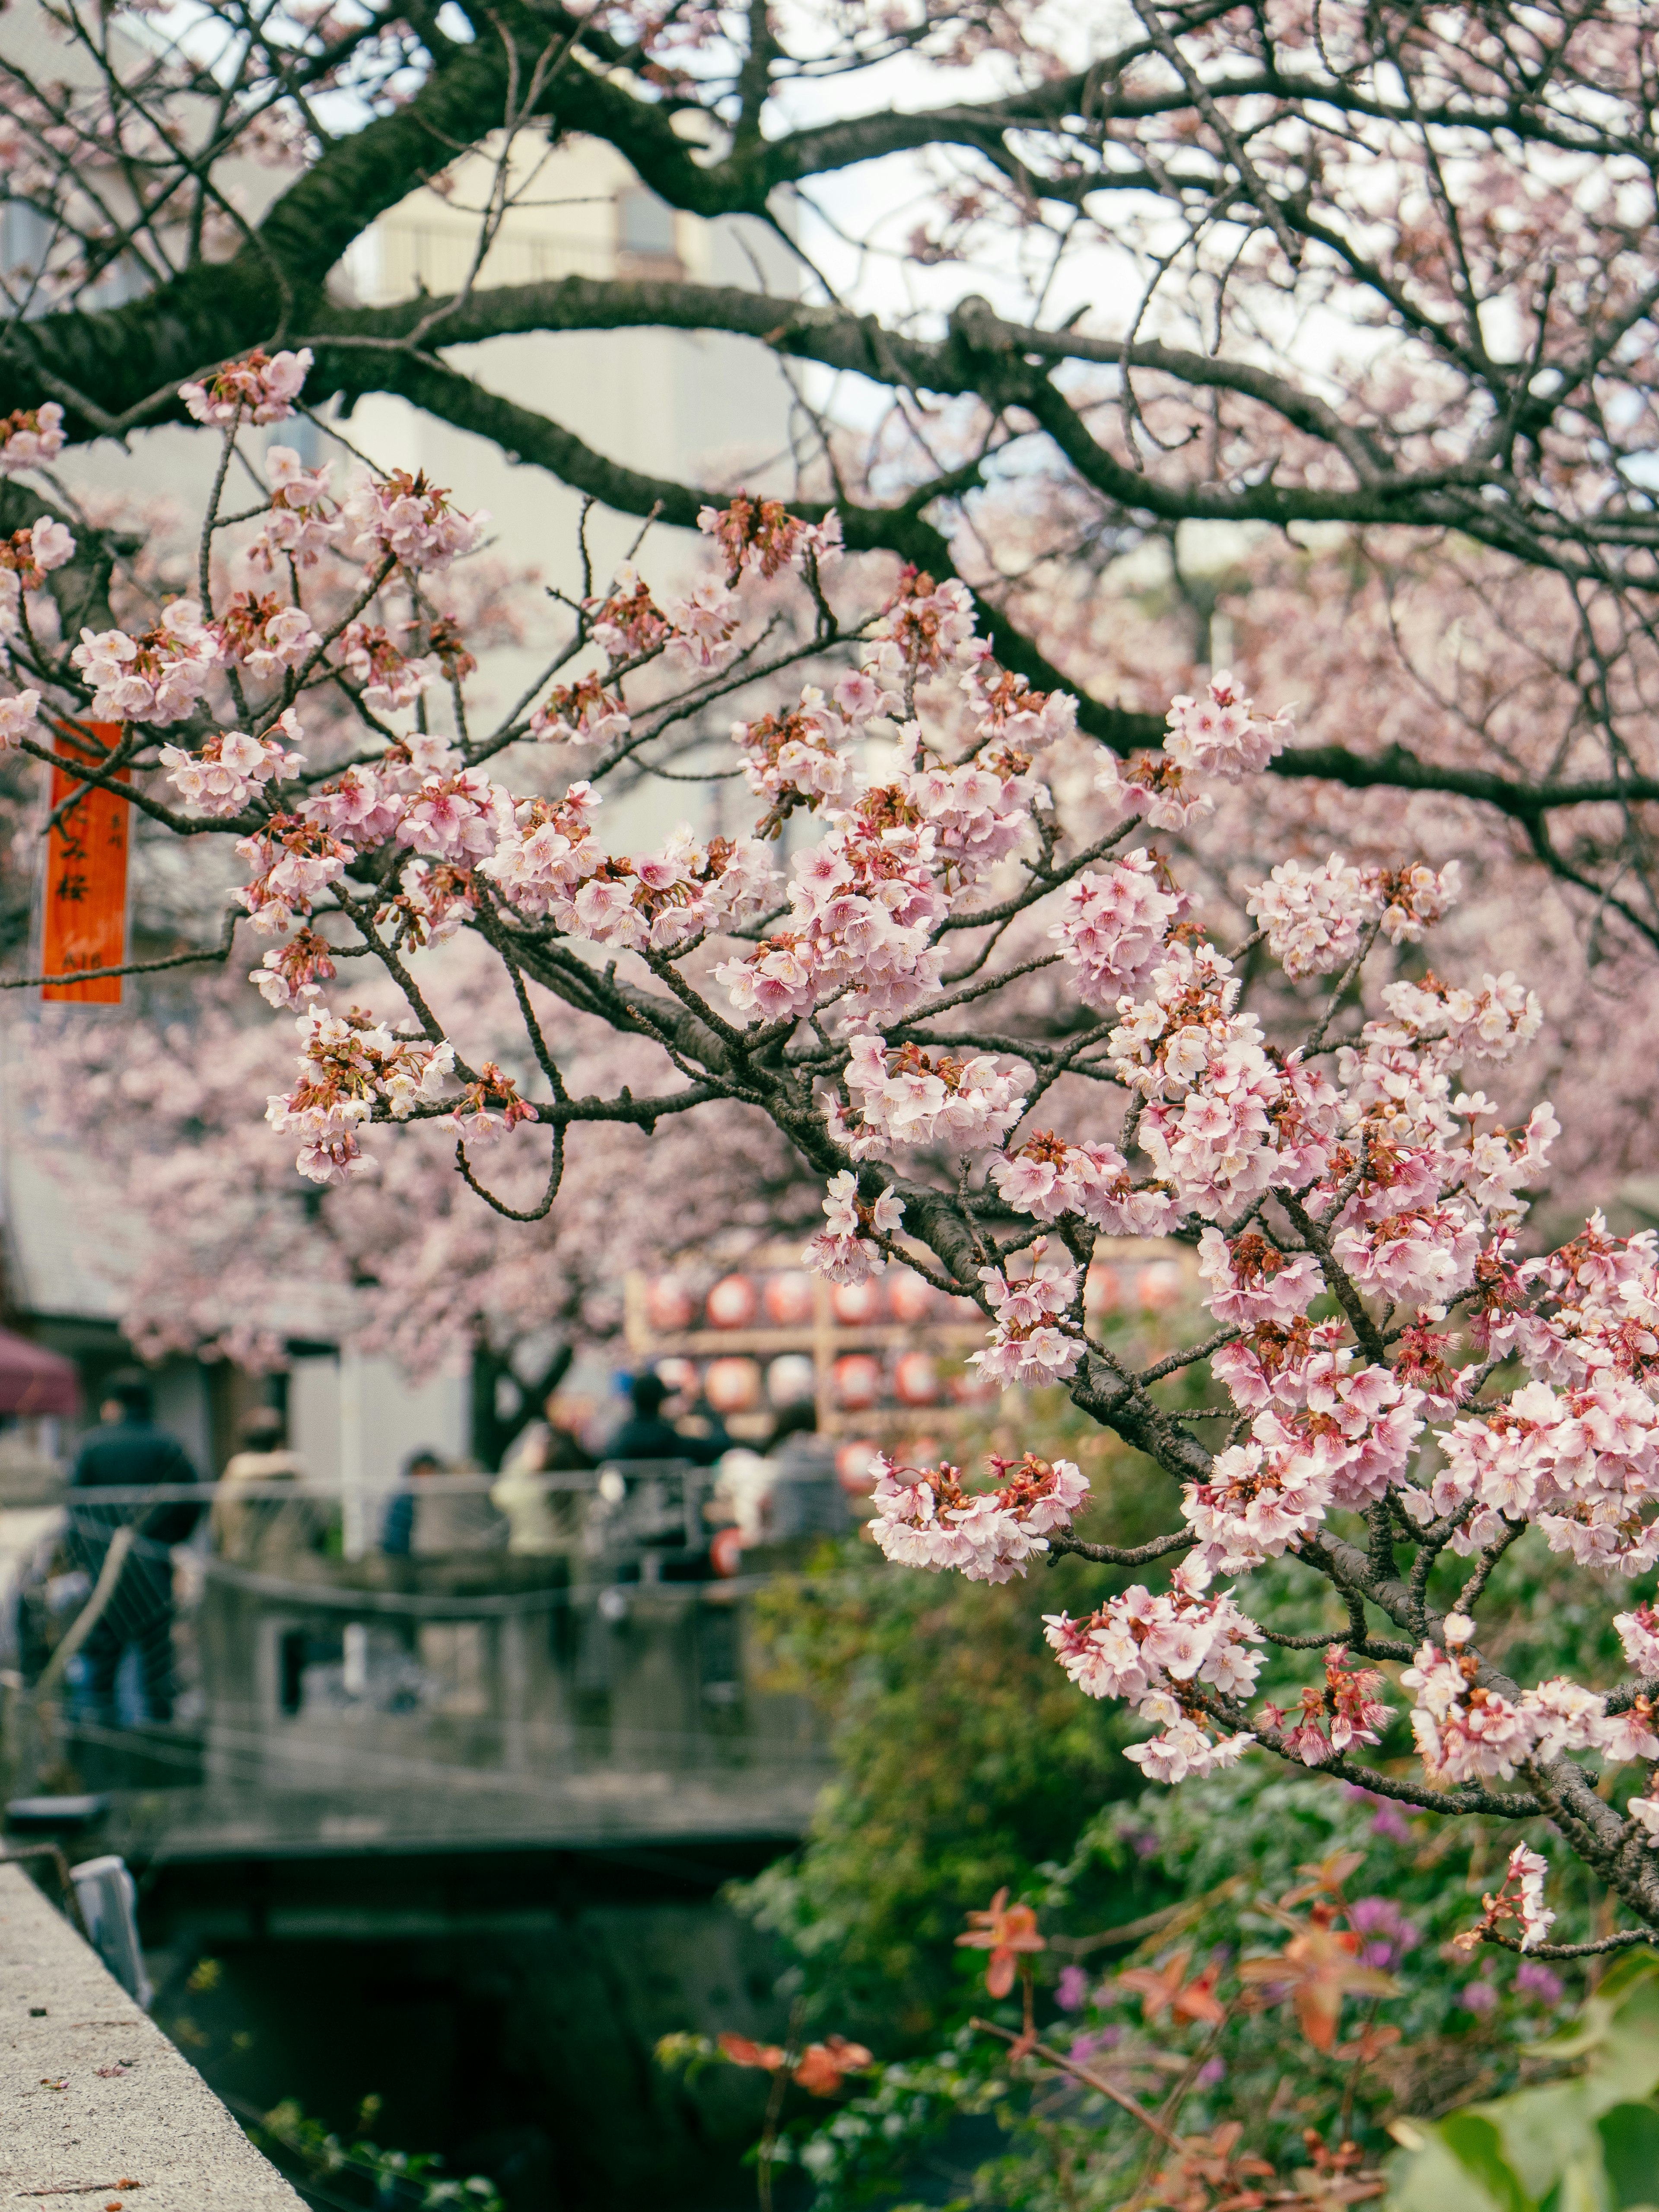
(608, 1689)
(450, 1829)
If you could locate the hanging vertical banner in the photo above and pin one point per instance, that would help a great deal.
(84, 912)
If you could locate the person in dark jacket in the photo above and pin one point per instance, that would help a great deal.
(127, 1451)
(397, 1530)
(645, 1435)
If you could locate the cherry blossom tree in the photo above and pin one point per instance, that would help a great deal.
(1286, 269)
(235, 1256)
(1397, 1383)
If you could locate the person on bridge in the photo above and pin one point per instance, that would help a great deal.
(127, 1451)
(265, 1531)
(645, 1435)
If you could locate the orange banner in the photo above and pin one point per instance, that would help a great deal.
(85, 914)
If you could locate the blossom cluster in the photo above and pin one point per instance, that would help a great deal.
(260, 388)
(407, 519)
(30, 437)
(1469, 1731)
(846, 1249)
(156, 676)
(232, 768)
(581, 714)
(303, 522)
(1218, 735)
(928, 1519)
(911, 1095)
(1520, 1899)
(1030, 1299)
(1152, 1649)
(1316, 919)
(350, 1063)
(760, 536)
(865, 905)
(1334, 1715)
(1115, 924)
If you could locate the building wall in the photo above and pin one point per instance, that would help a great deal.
(355, 1419)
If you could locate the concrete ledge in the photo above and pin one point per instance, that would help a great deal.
(95, 2095)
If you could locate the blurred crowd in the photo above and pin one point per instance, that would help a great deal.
(577, 1481)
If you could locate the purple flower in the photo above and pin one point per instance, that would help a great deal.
(1392, 1935)
(1072, 1993)
(1478, 1996)
(1388, 1819)
(1536, 1982)
(1211, 2071)
(1085, 2047)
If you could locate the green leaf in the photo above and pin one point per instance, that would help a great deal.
(1474, 2141)
(1558, 2144)
(1630, 2153)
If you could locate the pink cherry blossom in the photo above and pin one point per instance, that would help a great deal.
(260, 388)
(30, 437)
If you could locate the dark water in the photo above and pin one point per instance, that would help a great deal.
(502, 2007)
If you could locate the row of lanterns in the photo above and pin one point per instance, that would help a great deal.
(857, 1382)
(787, 1300)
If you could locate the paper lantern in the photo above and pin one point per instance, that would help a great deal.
(855, 1305)
(970, 1387)
(855, 1466)
(732, 1303)
(732, 1386)
(669, 1305)
(791, 1379)
(911, 1299)
(915, 1380)
(858, 1381)
(788, 1299)
(1159, 1285)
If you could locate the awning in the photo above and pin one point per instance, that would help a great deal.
(34, 1380)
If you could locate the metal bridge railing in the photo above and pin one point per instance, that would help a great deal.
(520, 1650)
